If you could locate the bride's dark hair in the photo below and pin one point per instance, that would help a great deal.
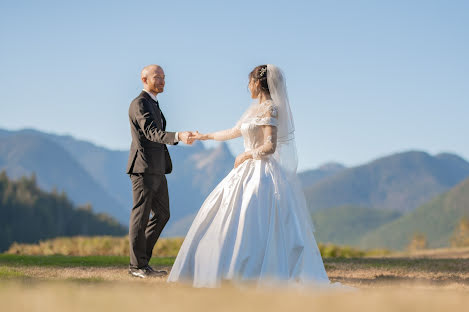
(260, 74)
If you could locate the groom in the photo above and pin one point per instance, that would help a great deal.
(148, 163)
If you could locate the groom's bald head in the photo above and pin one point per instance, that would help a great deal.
(150, 69)
(152, 77)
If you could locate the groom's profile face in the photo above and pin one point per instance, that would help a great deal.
(154, 79)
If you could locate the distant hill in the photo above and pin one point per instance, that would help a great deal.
(107, 167)
(398, 182)
(28, 214)
(436, 219)
(310, 177)
(24, 153)
(346, 225)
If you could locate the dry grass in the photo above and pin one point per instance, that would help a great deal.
(362, 273)
(427, 280)
(166, 247)
(141, 296)
(93, 246)
(402, 272)
(440, 253)
(382, 284)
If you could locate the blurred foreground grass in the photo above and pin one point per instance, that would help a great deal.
(166, 247)
(142, 296)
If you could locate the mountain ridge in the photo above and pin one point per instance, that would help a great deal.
(436, 220)
(411, 177)
(401, 181)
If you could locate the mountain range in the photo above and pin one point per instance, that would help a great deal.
(436, 220)
(375, 205)
(309, 178)
(399, 182)
(347, 204)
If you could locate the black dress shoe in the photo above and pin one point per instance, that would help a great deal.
(156, 272)
(141, 273)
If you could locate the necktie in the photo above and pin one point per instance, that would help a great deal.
(159, 112)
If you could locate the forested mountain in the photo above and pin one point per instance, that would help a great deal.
(435, 221)
(29, 214)
(346, 225)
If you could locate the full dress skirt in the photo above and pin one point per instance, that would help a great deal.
(253, 227)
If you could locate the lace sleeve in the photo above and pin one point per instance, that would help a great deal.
(227, 134)
(268, 121)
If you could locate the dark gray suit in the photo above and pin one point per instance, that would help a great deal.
(148, 163)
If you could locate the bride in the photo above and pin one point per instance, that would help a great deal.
(255, 226)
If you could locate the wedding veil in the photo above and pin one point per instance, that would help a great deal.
(285, 153)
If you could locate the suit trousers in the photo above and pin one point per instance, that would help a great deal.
(150, 195)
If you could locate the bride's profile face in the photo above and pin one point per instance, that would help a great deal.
(254, 88)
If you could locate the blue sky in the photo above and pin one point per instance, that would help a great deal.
(365, 78)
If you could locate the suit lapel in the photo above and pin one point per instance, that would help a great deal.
(157, 114)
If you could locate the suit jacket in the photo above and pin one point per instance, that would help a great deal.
(148, 151)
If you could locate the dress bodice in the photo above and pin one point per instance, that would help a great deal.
(252, 126)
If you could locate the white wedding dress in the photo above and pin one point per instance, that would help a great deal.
(254, 226)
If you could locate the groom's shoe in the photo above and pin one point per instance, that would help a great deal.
(156, 272)
(141, 273)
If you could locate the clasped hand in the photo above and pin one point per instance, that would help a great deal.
(188, 137)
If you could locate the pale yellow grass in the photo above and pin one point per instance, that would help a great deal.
(122, 296)
(93, 246)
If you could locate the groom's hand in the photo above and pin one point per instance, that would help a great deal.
(186, 137)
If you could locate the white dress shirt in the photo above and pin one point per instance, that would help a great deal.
(156, 100)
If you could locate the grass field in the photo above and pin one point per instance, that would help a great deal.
(356, 272)
(97, 283)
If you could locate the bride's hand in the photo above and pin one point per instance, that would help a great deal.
(199, 136)
(240, 159)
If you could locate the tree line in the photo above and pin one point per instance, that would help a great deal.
(29, 214)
